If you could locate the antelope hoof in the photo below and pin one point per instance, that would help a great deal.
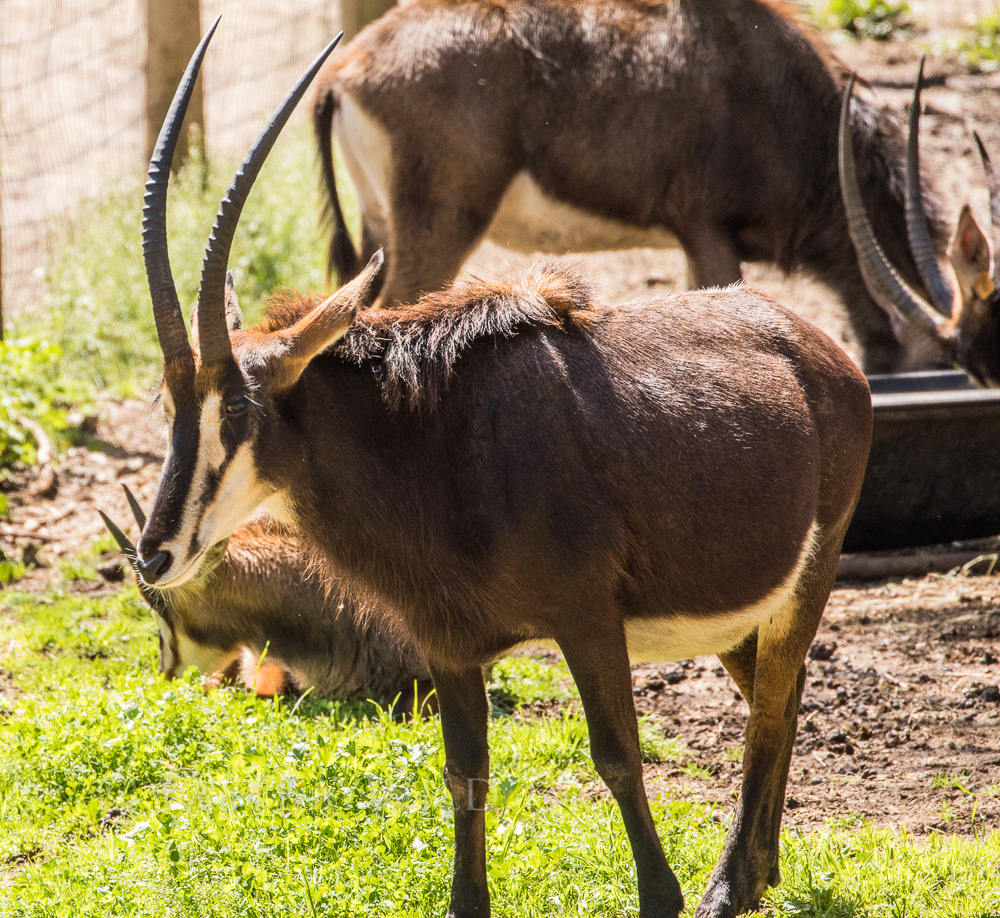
(721, 902)
(668, 903)
(716, 904)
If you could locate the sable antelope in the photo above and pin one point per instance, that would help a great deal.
(962, 319)
(600, 124)
(262, 589)
(510, 462)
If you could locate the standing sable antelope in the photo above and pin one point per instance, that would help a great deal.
(961, 319)
(262, 589)
(599, 124)
(503, 463)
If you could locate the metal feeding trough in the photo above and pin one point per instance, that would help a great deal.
(934, 470)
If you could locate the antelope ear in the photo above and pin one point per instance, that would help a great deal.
(972, 258)
(326, 324)
(234, 315)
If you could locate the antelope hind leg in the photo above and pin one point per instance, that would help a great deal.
(711, 258)
(771, 679)
(437, 219)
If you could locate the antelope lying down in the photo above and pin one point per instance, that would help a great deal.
(602, 124)
(261, 589)
(502, 463)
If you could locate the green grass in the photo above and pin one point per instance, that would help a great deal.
(880, 20)
(981, 49)
(32, 387)
(122, 794)
(98, 312)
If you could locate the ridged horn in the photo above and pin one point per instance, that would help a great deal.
(993, 181)
(170, 328)
(887, 288)
(942, 293)
(213, 334)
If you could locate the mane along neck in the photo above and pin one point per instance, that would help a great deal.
(413, 350)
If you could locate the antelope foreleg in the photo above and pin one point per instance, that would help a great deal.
(464, 717)
(600, 667)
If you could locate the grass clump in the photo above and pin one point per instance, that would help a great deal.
(28, 390)
(981, 49)
(880, 20)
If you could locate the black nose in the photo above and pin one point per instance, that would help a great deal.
(152, 568)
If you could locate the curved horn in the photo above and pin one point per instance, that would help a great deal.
(942, 293)
(140, 517)
(128, 549)
(888, 289)
(213, 334)
(993, 181)
(170, 328)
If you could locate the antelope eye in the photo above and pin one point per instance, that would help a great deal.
(236, 406)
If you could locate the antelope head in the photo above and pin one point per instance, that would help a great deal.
(963, 315)
(221, 391)
(178, 650)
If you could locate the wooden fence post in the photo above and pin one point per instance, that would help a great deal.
(356, 14)
(1, 267)
(173, 29)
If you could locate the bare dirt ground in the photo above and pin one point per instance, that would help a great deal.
(901, 714)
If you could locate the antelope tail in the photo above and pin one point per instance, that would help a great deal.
(342, 256)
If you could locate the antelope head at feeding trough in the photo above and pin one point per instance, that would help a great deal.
(961, 315)
(609, 124)
(263, 606)
(506, 462)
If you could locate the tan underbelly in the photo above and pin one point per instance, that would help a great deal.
(529, 220)
(680, 636)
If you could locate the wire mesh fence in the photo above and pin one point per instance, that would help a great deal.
(72, 98)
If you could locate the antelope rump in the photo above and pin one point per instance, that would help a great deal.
(511, 462)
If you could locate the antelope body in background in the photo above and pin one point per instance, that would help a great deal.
(263, 590)
(599, 124)
(503, 463)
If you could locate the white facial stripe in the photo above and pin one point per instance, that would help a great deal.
(211, 452)
(238, 496)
